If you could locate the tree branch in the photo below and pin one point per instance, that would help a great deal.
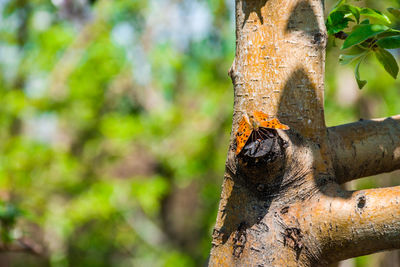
(23, 245)
(365, 148)
(357, 223)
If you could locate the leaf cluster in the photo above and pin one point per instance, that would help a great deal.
(371, 32)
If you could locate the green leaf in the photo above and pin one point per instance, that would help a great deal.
(389, 42)
(365, 21)
(337, 21)
(352, 54)
(394, 11)
(387, 61)
(362, 33)
(360, 82)
(345, 59)
(373, 13)
(389, 33)
(356, 50)
(351, 10)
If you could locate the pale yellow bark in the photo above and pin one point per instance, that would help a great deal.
(278, 69)
(279, 63)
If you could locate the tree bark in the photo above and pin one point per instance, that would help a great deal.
(365, 148)
(286, 208)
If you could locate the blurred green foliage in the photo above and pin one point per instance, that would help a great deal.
(115, 120)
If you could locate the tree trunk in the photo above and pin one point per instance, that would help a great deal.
(286, 207)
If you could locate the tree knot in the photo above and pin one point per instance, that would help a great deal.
(361, 201)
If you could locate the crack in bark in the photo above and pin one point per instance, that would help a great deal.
(239, 240)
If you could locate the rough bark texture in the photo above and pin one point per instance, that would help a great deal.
(286, 208)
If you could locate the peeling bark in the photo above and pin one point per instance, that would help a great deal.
(283, 206)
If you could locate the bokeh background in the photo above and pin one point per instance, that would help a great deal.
(114, 125)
